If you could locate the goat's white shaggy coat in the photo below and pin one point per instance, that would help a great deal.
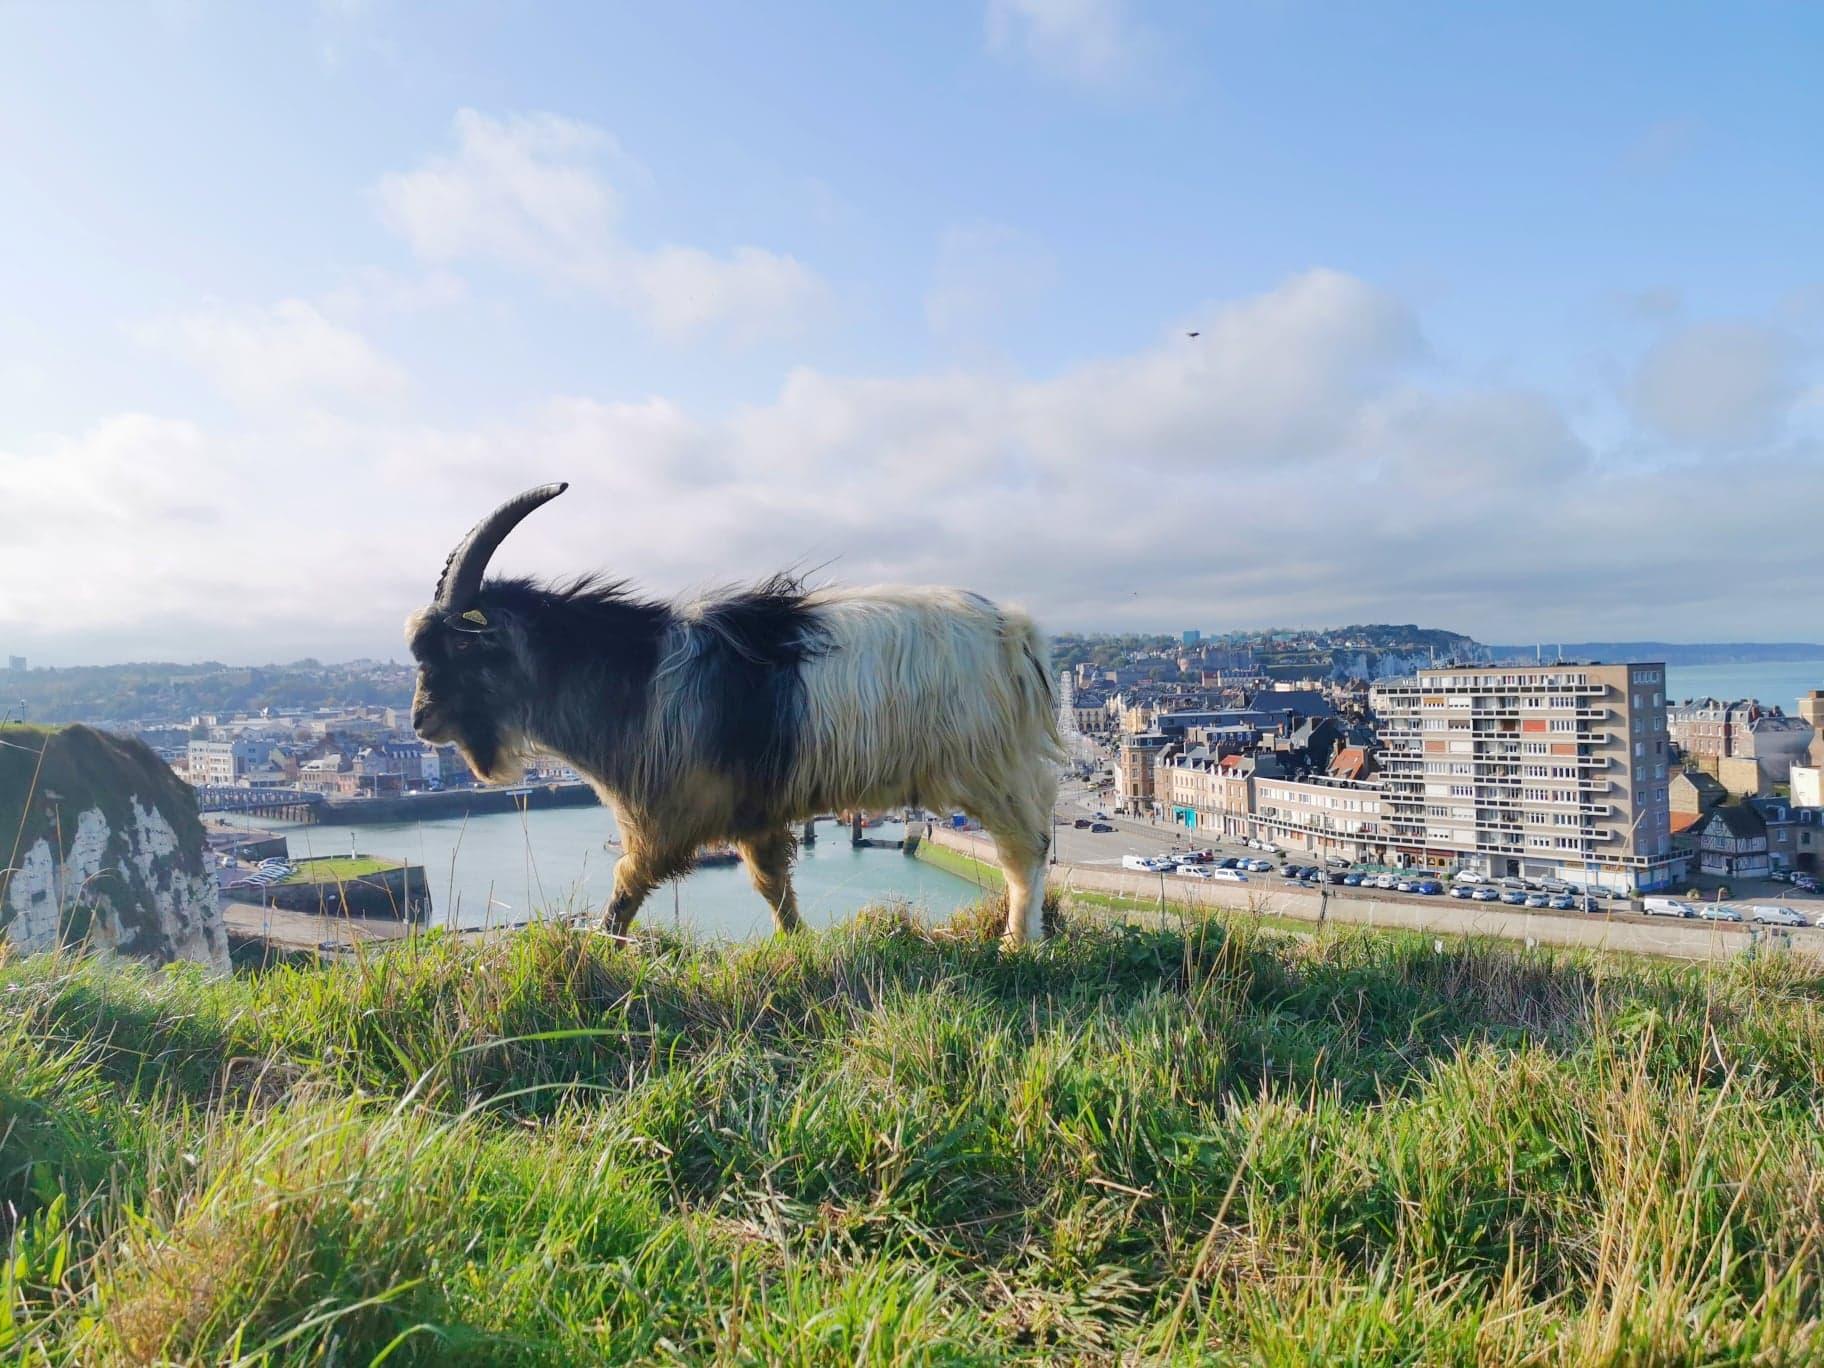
(932, 697)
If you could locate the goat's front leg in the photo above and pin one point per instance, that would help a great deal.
(633, 881)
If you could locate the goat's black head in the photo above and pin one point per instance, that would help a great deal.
(476, 672)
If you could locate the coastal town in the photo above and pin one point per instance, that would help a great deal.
(1352, 757)
(1565, 779)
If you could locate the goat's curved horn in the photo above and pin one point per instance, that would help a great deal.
(462, 572)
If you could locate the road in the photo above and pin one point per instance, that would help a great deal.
(1133, 836)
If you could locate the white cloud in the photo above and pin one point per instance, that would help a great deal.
(1093, 43)
(528, 192)
(1293, 464)
(987, 276)
(1717, 385)
(287, 355)
(372, 291)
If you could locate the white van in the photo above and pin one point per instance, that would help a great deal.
(1666, 907)
(1145, 864)
(1229, 875)
(1773, 915)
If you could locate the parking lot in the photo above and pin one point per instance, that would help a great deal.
(1136, 836)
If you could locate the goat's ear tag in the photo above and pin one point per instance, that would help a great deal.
(476, 616)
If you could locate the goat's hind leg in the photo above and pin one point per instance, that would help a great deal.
(1021, 827)
(769, 865)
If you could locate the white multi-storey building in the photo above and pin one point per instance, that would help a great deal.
(1554, 771)
(1319, 815)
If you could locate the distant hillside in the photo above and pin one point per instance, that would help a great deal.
(1671, 652)
(159, 690)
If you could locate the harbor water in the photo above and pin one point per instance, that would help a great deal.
(511, 867)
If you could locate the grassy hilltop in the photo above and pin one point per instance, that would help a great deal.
(1212, 1143)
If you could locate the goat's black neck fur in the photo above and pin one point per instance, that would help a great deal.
(597, 651)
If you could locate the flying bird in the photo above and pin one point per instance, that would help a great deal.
(1192, 334)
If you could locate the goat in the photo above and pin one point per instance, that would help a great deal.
(732, 717)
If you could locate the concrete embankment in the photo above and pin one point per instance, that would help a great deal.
(971, 855)
(363, 888)
(413, 807)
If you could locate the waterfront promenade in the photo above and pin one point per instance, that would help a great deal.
(1270, 896)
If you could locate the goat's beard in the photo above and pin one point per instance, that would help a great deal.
(496, 758)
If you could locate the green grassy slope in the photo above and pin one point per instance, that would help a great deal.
(1214, 1143)
(326, 868)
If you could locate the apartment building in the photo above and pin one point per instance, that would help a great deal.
(1134, 767)
(1323, 816)
(222, 763)
(1540, 771)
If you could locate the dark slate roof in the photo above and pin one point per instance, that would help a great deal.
(1740, 821)
(1771, 809)
(1305, 702)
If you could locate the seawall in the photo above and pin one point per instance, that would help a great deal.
(411, 807)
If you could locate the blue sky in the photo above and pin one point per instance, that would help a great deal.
(1510, 323)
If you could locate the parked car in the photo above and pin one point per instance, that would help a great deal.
(1229, 875)
(1386, 881)
(1485, 894)
(1336, 876)
(1229, 862)
(1778, 875)
(1146, 864)
(1270, 848)
(1536, 900)
(1260, 866)
(1081, 824)
(1666, 907)
(1463, 891)
(1467, 876)
(1514, 897)
(1352, 880)
(1805, 881)
(1776, 916)
(1561, 902)
(1718, 912)
(1337, 862)
(1429, 887)
(1404, 886)
(1101, 826)
(1195, 871)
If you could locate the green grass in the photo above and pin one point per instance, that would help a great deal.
(978, 872)
(1210, 1142)
(337, 868)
